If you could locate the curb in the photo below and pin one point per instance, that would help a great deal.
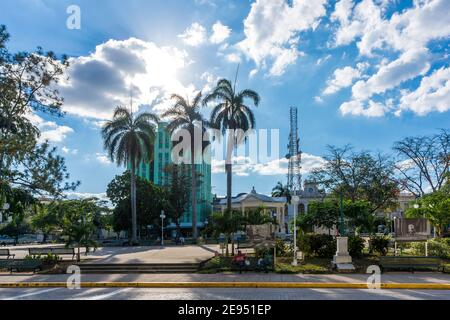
(273, 285)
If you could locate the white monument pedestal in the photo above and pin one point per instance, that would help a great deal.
(342, 261)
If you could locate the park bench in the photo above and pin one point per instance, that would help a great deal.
(410, 263)
(6, 253)
(245, 245)
(56, 251)
(21, 265)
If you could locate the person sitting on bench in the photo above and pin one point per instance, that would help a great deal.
(239, 259)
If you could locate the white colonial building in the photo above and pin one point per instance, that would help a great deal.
(284, 212)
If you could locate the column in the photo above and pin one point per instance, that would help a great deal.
(306, 207)
(278, 219)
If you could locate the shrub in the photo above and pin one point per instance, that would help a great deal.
(303, 244)
(436, 247)
(379, 244)
(49, 259)
(319, 245)
(355, 246)
(262, 251)
(281, 247)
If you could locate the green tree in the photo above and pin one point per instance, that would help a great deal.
(185, 115)
(129, 141)
(77, 222)
(178, 191)
(423, 162)
(325, 214)
(435, 207)
(230, 116)
(21, 206)
(227, 223)
(150, 200)
(45, 220)
(258, 216)
(358, 176)
(281, 190)
(27, 85)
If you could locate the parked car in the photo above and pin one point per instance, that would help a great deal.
(28, 238)
(6, 240)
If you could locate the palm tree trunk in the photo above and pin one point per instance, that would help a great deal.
(133, 203)
(228, 166)
(193, 188)
(228, 169)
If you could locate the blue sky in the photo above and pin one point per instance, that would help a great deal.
(362, 72)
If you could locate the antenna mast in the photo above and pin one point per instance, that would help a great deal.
(294, 156)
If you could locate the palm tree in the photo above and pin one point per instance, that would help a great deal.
(129, 140)
(186, 115)
(231, 114)
(281, 190)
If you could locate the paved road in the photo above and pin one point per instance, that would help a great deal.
(394, 277)
(219, 294)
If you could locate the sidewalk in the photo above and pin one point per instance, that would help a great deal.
(393, 280)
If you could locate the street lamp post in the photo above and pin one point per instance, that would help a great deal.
(162, 216)
(4, 208)
(206, 230)
(295, 200)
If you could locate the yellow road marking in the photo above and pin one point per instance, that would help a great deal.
(299, 285)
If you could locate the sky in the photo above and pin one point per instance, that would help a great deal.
(366, 73)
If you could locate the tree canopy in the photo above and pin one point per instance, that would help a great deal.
(150, 200)
(423, 162)
(28, 83)
(358, 176)
(435, 207)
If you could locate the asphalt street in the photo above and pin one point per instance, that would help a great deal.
(219, 294)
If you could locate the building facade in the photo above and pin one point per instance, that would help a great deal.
(284, 212)
(154, 170)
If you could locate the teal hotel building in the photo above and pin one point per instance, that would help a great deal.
(154, 170)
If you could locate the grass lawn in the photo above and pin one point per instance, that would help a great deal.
(321, 265)
(310, 266)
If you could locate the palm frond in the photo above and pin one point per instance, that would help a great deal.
(251, 95)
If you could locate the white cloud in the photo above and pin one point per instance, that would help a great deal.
(49, 130)
(87, 195)
(253, 73)
(103, 158)
(55, 135)
(323, 60)
(244, 166)
(194, 35)
(358, 108)
(220, 33)
(413, 28)
(210, 79)
(67, 150)
(102, 80)
(433, 94)
(233, 58)
(408, 66)
(284, 58)
(272, 31)
(407, 33)
(342, 78)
